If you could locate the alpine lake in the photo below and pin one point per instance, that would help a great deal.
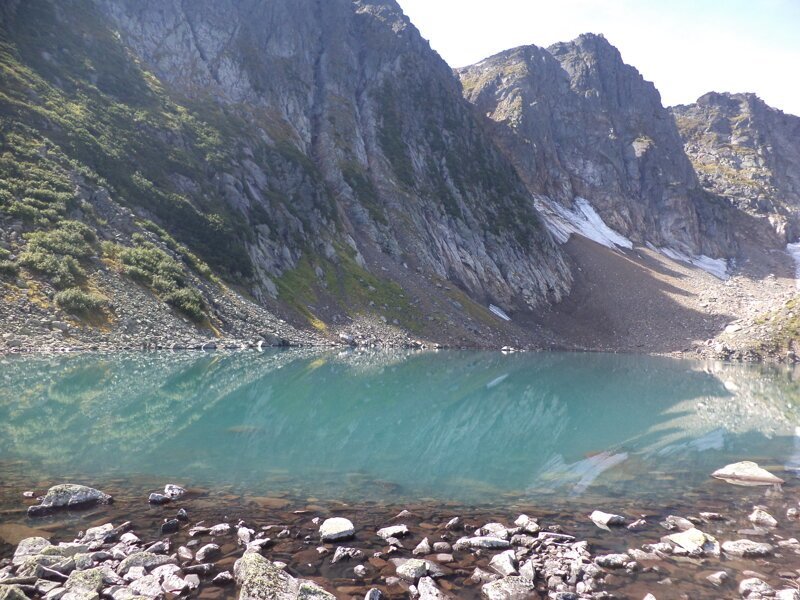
(279, 438)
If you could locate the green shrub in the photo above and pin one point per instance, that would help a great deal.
(188, 301)
(56, 253)
(78, 302)
(8, 268)
(4, 254)
(61, 271)
(151, 266)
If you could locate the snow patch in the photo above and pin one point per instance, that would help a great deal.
(718, 267)
(794, 252)
(499, 312)
(581, 220)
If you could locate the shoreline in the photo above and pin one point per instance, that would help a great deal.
(428, 550)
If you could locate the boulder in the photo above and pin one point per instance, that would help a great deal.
(68, 495)
(428, 590)
(508, 588)
(755, 586)
(605, 520)
(504, 564)
(746, 549)
(746, 473)
(762, 518)
(29, 547)
(259, 579)
(412, 569)
(12, 592)
(337, 528)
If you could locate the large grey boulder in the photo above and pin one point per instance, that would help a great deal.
(259, 579)
(509, 588)
(746, 473)
(68, 495)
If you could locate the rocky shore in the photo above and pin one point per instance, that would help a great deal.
(317, 552)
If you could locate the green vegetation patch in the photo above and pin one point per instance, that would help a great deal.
(354, 289)
(151, 266)
(57, 253)
(76, 301)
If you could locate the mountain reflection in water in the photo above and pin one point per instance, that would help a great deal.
(465, 426)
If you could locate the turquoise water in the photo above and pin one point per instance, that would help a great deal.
(459, 426)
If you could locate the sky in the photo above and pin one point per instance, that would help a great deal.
(686, 47)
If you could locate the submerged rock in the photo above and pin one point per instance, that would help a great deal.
(746, 548)
(336, 528)
(694, 541)
(394, 531)
(259, 579)
(762, 518)
(412, 569)
(606, 520)
(68, 495)
(746, 473)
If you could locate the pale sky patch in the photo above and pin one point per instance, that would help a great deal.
(686, 47)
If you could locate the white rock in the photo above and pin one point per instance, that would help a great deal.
(504, 563)
(508, 588)
(412, 569)
(424, 547)
(394, 531)
(746, 548)
(762, 518)
(606, 520)
(428, 590)
(337, 528)
(746, 473)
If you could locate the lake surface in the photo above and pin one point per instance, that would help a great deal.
(466, 427)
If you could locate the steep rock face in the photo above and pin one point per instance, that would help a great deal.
(578, 122)
(353, 140)
(748, 152)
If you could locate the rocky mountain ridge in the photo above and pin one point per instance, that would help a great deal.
(580, 123)
(748, 153)
(298, 171)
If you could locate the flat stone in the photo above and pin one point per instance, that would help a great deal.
(336, 528)
(486, 542)
(148, 586)
(12, 592)
(747, 548)
(694, 541)
(394, 531)
(719, 578)
(746, 473)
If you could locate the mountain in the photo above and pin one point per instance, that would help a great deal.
(314, 158)
(580, 123)
(747, 152)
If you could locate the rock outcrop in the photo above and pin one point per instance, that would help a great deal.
(747, 152)
(580, 123)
